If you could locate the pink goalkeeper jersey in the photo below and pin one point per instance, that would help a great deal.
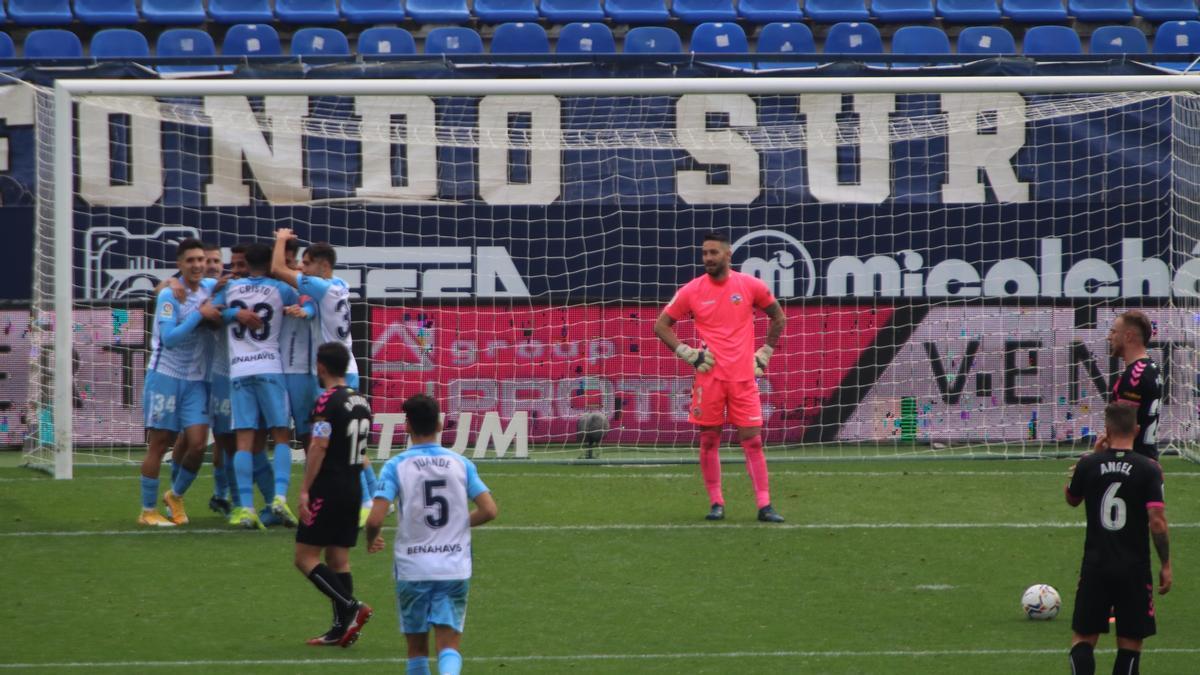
(724, 315)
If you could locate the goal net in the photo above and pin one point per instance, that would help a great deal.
(949, 261)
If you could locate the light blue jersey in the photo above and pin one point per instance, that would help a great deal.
(332, 297)
(177, 348)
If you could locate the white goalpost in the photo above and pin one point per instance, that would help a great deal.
(950, 250)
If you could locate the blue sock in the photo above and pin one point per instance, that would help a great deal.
(263, 478)
(243, 466)
(149, 492)
(230, 475)
(449, 662)
(183, 481)
(282, 463)
(418, 665)
(174, 471)
(220, 480)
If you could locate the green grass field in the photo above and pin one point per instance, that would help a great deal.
(894, 566)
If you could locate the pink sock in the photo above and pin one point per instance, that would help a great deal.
(756, 466)
(710, 465)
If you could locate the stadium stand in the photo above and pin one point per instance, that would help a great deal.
(40, 12)
(567, 11)
(307, 11)
(115, 43)
(902, 11)
(721, 38)
(701, 11)
(919, 40)
(968, 11)
(439, 11)
(240, 11)
(107, 12)
(1118, 40)
(1177, 37)
(786, 38)
(185, 42)
(768, 11)
(986, 40)
(386, 40)
(1043, 40)
(1165, 10)
(586, 38)
(637, 11)
(652, 40)
(1035, 11)
(373, 11)
(7, 49)
(453, 40)
(834, 11)
(1100, 10)
(52, 43)
(320, 42)
(520, 38)
(251, 39)
(851, 37)
(500, 11)
(174, 12)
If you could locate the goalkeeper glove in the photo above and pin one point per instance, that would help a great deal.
(761, 358)
(701, 359)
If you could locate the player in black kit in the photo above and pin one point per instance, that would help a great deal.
(1141, 383)
(1123, 491)
(331, 495)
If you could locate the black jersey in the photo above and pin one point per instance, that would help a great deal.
(1141, 385)
(1118, 487)
(348, 416)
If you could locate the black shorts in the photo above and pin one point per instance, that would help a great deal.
(1128, 593)
(335, 517)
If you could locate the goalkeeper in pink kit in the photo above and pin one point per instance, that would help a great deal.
(722, 303)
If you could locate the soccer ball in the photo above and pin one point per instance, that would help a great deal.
(1041, 602)
(592, 427)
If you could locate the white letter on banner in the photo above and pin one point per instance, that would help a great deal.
(278, 165)
(420, 179)
(968, 150)
(16, 110)
(874, 149)
(722, 147)
(144, 145)
(545, 160)
(517, 431)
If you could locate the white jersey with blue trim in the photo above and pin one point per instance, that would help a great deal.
(432, 487)
(184, 360)
(333, 312)
(255, 351)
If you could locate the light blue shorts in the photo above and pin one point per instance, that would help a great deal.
(172, 404)
(302, 396)
(219, 405)
(259, 399)
(425, 603)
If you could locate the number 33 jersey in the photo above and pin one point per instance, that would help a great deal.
(342, 415)
(333, 312)
(433, 487)
(255, 351)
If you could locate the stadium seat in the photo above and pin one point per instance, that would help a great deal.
(1100, 10)
(968, 11)
(115, 43)
(786, 38)
(768, 11)
(373, 11)
(1118, 40)
(852, 37)
(986, 40)
(386, 40)
(439, 11)
(567, 11)
(586, 38)
(174, 12)
(500, 11)
(1041, 40)
(637, 11)
(1035, 11)
(307, 11)
(1177, 37)
(833, 11)
(652, 40)
(240, 11)
(721, 38)
(902, 11)
(251, 39)
(453, 41)
(520, 38)
(1155, 10)
(40, 13)
(185, 42)
(7, 49)
(52, 43)
(107, 12)
(701, 11)
(320, 42)
(919, 40)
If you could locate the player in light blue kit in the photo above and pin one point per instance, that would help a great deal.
(434, 487)
(220, 405)
(298, 353)
(175, 396)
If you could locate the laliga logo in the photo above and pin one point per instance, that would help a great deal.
(784, 263)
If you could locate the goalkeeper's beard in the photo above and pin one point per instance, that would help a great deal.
(717, 270)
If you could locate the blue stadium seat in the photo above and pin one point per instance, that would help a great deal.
(652, 40)
(107, 12)
(174, 12)
(116, 43)
(986, 40)
(637, 11)
(52, 43)
(373, 11)
(439, 11)
(1177, 37)
(7, 49)
(902, 11)
(40, 13)
(453, 41)
(968, 11)
(1151, 10)
(320, 42)
(833, 11)
(852, 37)
(185, 42)
(520, 38)
(566, 11)
(786, 38)
(1041, 40)
(240, 11)
(721, 38)
(768, 11)
(386, 40)
(500, 11)
(251, 39)
(919, 40)
(307, 11)
(1035, 11)
(1100, 10)
(701, 11)
(586, 38)
(1118, 40)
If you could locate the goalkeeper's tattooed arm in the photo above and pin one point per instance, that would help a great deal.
(763, 356)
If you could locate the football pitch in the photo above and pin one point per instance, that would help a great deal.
(890, 566)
